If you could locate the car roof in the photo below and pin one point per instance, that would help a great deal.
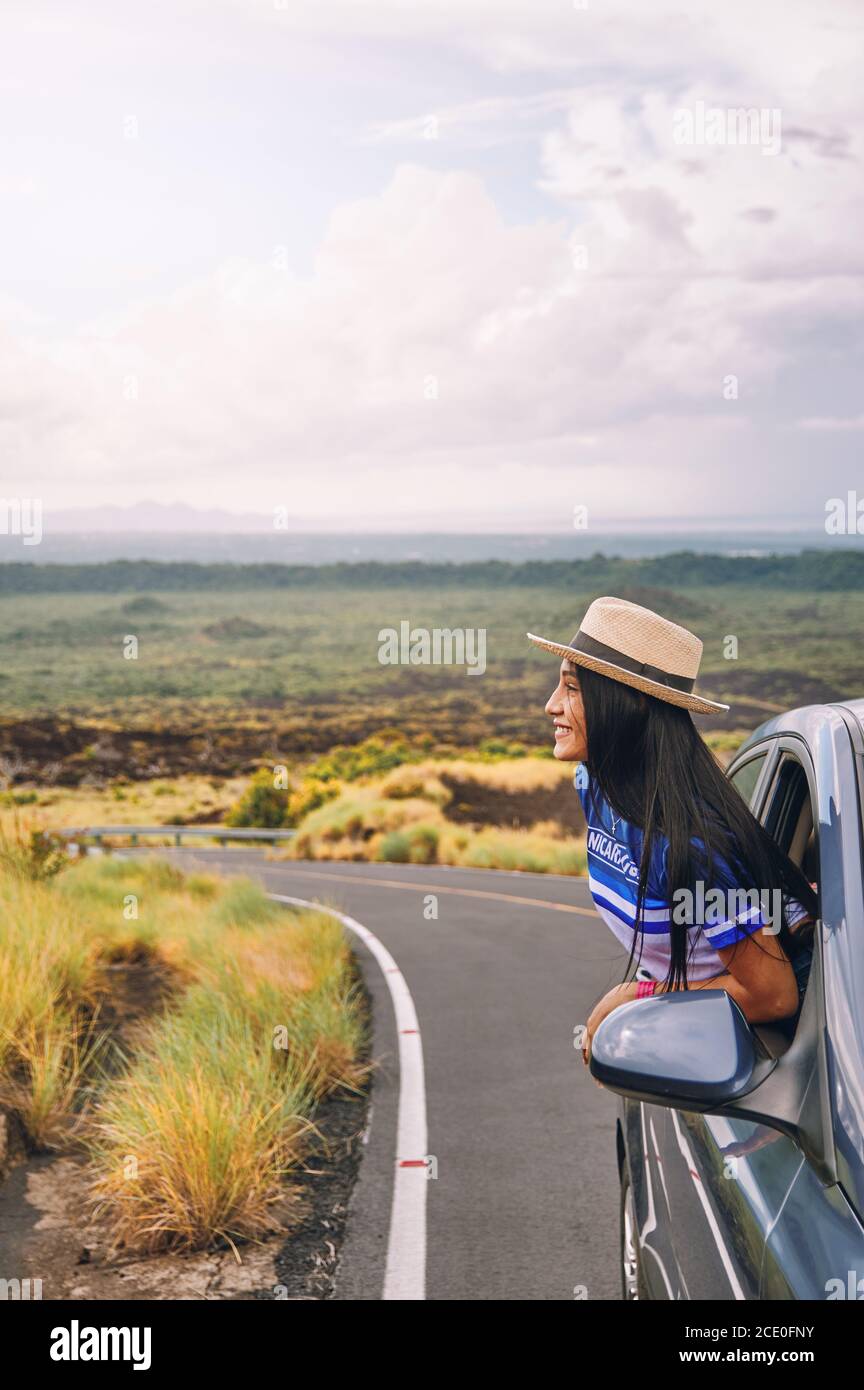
(804, 720)
(856, 707)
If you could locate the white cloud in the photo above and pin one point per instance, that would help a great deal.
(440, 347)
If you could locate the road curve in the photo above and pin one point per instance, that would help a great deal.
(525, 1203)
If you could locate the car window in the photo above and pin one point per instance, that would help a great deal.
(789, 819)
(744, 779)
(789, 812)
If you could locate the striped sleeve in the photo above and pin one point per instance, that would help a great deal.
(727, 912)
(739, 917)
(730, 912)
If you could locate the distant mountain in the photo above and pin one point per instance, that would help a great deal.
(155, 517)
(179, 518)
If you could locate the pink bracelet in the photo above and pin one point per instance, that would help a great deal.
(644, 988)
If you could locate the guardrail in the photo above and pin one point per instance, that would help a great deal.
(221, 833)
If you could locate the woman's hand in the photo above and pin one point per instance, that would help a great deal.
(619, 994)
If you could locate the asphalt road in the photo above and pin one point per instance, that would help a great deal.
(525, 1203)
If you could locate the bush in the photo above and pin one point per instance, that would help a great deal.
(374, 755)
(263, 805)
(491, 750)
(394, 848)
(311, 794)
(423, 841)
(415, 783)
(37, 855)
(18, 798)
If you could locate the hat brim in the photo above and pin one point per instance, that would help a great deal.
(618, 673)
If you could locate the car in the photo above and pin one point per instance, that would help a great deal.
(741, 1148)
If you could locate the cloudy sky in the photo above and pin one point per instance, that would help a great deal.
(398, 262)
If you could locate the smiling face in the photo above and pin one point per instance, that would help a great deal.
(566, 710)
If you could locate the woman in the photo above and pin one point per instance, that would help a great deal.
(679, 869)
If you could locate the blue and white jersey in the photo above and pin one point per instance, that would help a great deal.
(614, 851)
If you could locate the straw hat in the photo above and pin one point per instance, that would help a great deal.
(639, 648)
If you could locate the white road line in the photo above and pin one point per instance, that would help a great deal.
(405, 1272)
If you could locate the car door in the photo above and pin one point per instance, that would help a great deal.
(815, 1249)
(657, 1146)
(645, 1140)
(727, 1178)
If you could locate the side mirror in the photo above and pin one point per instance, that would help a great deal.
(692, 1050)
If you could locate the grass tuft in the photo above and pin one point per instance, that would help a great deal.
(191, 1130)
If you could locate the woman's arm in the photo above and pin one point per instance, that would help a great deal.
(759, 978)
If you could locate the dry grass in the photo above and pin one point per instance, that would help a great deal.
(516, 775)
(402, 818)
(191, 1136)
(194, 1140)
(163, 801)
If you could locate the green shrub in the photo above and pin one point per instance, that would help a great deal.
(394, 848)
(21, 798)
(263, 805)
(311, 794)
(374, 755)
(423, 841)
(492, 750)
(37, 855)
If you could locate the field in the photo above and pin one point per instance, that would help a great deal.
(190, 800)
(226, 679)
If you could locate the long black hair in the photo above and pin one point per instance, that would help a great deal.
(648, 760)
